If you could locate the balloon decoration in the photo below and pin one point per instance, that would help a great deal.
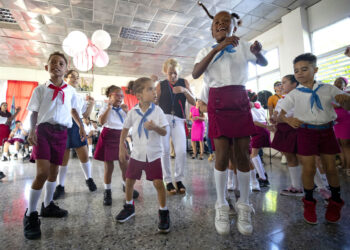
(85, 52)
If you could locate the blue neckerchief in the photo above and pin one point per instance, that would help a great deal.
(314, 96)
(120, 115)
(144, 119)
(229, 49)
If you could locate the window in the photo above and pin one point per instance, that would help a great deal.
(263, 78)
(329, 45)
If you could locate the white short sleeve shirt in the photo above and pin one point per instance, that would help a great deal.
(19, 134)
(146, 149)
(113, 119)
(81, 105)
(278, 108)
(300, 101)
(229, 69)
(258, 114)
(53, 111)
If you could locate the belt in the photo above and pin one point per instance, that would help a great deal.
(318, 127)
(58, 127)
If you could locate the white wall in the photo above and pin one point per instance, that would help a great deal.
(42, 76)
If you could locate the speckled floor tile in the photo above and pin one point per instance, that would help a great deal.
(278, 221)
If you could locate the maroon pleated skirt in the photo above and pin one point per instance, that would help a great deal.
(261, 138)
(229, 112)
(285, 139)
(107, 148)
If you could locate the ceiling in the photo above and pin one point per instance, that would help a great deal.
(185, 27)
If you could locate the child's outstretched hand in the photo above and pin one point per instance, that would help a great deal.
(293, 122)
(149, 125)
(271, 128)
(82, 134)
(123, 153)
(233, 40)
(32, 138)
(342, 99)
(256, 47)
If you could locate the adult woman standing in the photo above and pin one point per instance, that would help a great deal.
(172, 95)
(197, 131)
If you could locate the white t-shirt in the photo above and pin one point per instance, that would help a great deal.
(144, 148)
(300, 101)
(259, 114)
(53, 111)
(278, 108)
(229, 69)
(88, 128)
(113, 120)
(81, 105)
(19, 135)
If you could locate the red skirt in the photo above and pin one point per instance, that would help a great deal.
(229, 112)
(285, 139)
(107, 148)
(4, 133)
(261, 138)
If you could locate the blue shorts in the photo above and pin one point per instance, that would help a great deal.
(73, 140)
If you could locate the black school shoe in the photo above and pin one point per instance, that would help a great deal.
(31, 225)
(135, 194)
(107, 197)
(127, 212)
(2, 175)
(52, 210)
(91, 184)
(59, 192)
(164, 221)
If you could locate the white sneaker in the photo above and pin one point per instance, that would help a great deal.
(222, 221)
(244, 221)
(255, 185)
(283, 160)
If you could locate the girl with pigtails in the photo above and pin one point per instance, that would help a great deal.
(225, 69)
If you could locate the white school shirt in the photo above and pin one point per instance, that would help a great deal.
(81, 105)
(278, 108)
(88, 128)
(19, 135)
(300, 101)
(229, 69)
(146, 149)
(113, 120)
(259, 115)
(3, 119)
(53, 111)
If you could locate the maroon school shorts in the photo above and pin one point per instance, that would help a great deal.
(153, 170)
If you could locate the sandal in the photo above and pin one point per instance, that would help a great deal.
(193, 156)
(201, 157)
(170, 188)
(180, 187)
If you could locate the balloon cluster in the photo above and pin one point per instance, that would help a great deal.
(87, 52)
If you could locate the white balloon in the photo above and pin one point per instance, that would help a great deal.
(77, 41)
(101, 60)
(82, 61)
(101, 39)
(67, 48)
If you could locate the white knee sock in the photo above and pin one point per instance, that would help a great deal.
(220, 183)
(295, 176)
(86, 167)
(34, 196)
(108, 186)
(259, 167)
(244, 186)
(253, 176)
(49, 190)
(230, 176)
(235, 181)
(62, 171)
(90, 150)
(318, 180)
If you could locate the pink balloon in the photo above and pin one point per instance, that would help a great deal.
(101, 59)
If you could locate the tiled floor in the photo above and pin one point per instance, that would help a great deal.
(278, 221)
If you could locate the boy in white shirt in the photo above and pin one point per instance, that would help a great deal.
(314, 116)
(52, 104)
(148, 124)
